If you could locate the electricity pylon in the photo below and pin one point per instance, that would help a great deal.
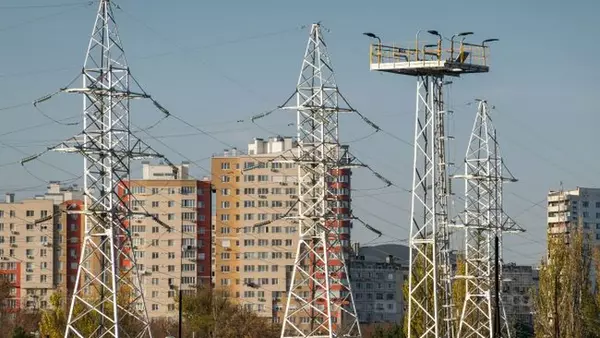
(430, 305)
(484, 222)
(320, 302)
(108, 289)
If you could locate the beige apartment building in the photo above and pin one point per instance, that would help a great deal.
(27, 250)
(254, 247)
(177, 251)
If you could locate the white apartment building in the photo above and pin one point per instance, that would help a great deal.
(565, 208)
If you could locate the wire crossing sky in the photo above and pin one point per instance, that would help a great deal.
(216, 63)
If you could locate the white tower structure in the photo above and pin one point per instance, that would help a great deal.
(484, 221)
(107, 290)
(429, 300)
(320, 301)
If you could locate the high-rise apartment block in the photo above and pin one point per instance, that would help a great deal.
(519, 283)
(253, 263)
(377, 278)
(254, 244)
(175, 251)
(29, 250)
(567, 208)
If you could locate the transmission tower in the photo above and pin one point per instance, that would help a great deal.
(429, 300)
(320, 301)
(107, 290)
(484, 222)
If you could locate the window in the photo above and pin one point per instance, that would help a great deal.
(29, 213)
(225, 165)
(585, 204)
(188, 228)
(43, 278)
(138, 190)
(263, 178)
(188, 216)
(224, 217)
(188, 280)
(155, 204)
(154, 307)
(225, 178)
(248, 178)
(225, 192)
(154, 294)
(188, 203)
(188, 190)
(155, 255)
(154, 191)
(248, 204)
(171, 217)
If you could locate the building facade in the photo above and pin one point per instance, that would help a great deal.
(567, 208)
(253, 263)
(377, 277)
(28, 251)
(254, 245)
(520, 282)
(175, 251)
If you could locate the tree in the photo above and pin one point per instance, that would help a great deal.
(387, 330)
(422, 294)
(565, 305)
(459, 289)
(210, 313)
(19, 332)
(54, 321)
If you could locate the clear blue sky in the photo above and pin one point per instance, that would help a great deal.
(215, 62)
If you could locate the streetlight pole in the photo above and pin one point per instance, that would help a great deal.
(483, 47)
(452, 42)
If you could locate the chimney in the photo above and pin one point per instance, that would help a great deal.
(10, 198)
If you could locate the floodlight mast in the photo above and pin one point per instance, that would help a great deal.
(319, 289)
(107, 287)
(429, 300)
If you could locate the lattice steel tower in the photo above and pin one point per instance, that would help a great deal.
(107, 290)
(484, 222)
(320, 301)
(429, 301)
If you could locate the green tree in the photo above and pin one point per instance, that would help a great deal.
(54, 322)
(565, 305)
(210, 313)
(19, 332)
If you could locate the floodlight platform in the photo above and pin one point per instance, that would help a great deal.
(429, 62)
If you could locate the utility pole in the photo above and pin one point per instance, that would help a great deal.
(183, 250)
(497, 267)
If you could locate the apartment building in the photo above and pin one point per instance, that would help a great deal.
(254, 246)
(176, 251)
(566, 208)
(253, 263)
(377, 278)
(27, 250)
(519, 283)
